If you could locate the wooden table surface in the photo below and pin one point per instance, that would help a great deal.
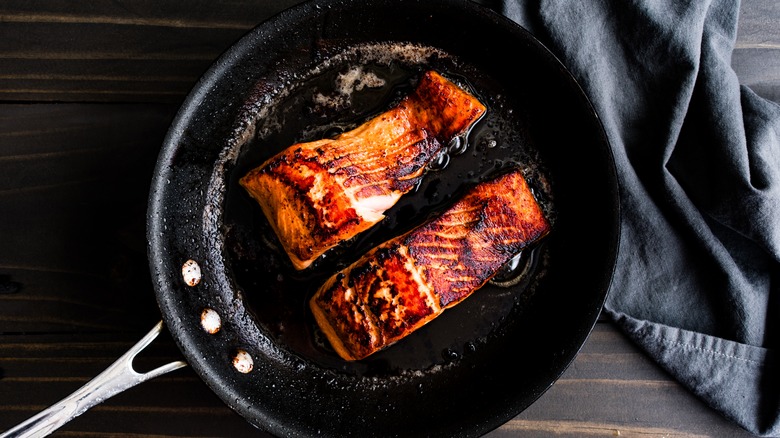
(87, 92)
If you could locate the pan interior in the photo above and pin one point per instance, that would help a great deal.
(334, 97)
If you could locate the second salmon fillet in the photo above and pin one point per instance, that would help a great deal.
(408, 281)
(318, 194)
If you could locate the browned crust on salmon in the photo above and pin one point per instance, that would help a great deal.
(408, 281)
(318, 194)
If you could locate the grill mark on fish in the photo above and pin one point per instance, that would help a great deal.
(317, 194)
(408, 281)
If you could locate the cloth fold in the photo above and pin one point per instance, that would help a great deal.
(698, 157)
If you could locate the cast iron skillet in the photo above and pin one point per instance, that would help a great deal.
(484, 361)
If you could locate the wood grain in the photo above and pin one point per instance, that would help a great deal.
(145, 52)
(74, 183)
(38, 370)
(756, 56)
(589, 399)
(136, 51)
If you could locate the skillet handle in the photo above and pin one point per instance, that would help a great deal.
(118, 377)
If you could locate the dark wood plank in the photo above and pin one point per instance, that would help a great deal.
(759, 69)
(758, 24)
(756, 57)
(73, 195)
(116, 51)
(149, 52)
(611, 389)
(36, 371)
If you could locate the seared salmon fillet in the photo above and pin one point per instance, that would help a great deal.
(320, 193)
(406, 282)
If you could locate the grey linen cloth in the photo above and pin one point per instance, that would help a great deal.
(697, 284)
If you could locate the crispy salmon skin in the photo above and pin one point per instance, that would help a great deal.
(406, 282)
(320, 193)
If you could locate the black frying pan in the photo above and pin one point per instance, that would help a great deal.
(479, 364)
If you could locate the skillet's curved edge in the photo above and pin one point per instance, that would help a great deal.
(163, 259)
(182, 142)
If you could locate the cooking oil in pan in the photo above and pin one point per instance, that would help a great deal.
(338, 97)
